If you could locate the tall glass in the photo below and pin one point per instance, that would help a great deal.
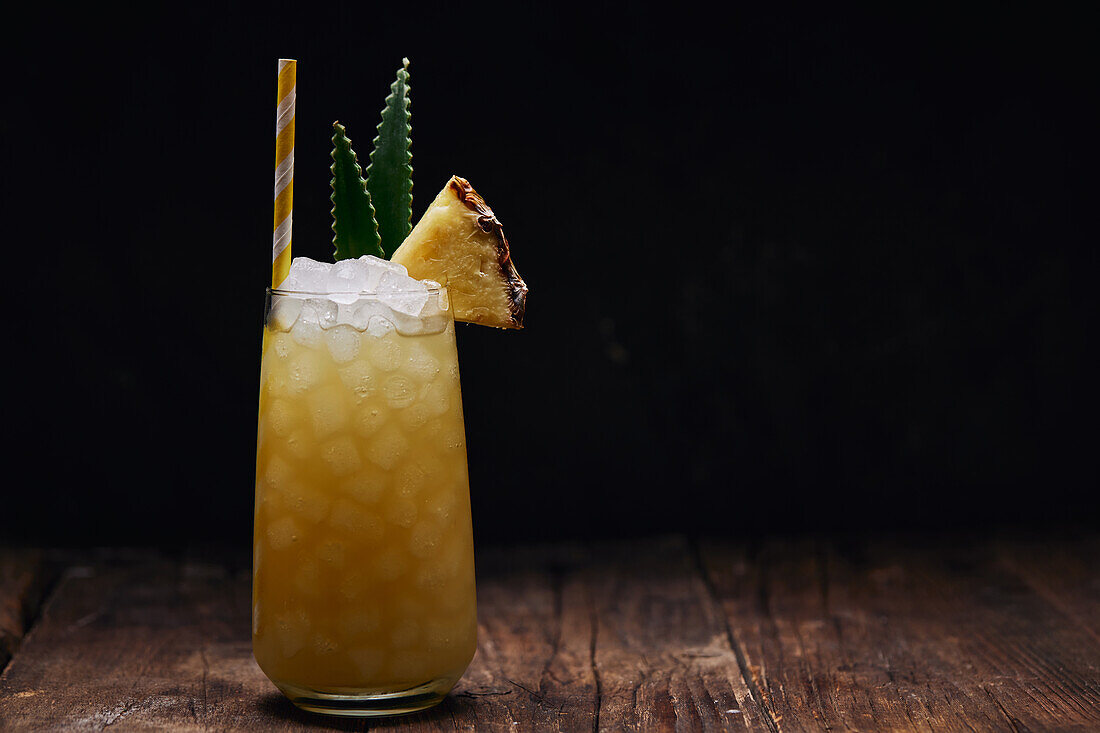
(363, 597)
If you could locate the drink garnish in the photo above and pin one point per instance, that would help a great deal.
(355, 229)
(389, 175)
(374, 215)
(460, 243)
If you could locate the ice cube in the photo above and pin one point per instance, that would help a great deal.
(387, 448)
(420, 364)
(320, 311)
(279, 417)
(431, 578)
(435, 317)
(451, 376)
(328, 411)
(307, 275)
(309, 506)
(402, 512)
(359, 621)
(281, 345)
(358, 314)
(284, 312)
(418, 306)
(443, 505)
(307, 333)
(347, 280)
(358, 376)
(380, 326)
(414, 416)
(425, 539)
(282, 533)
(384, 353)
(393, 280)
(367, 486)
(379, 270)
(277, 475)
(409, 302)
(405, 297)
(410, 479)
(341, 456)
(307, 579)
(399, 391)
(389, 565)
(370, 418)
(406, 307)
(273, 380)
(291, 629)
(365, 526)
(305, 372)
(455, 438)
(343, 343)
(300, 443)
(436, 398)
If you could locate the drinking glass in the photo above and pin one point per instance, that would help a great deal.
(363, 598)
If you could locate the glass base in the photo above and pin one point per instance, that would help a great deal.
(369, 704)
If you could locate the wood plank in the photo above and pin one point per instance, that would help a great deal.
(1003, 642)
(802, 662)
(1064, 572)
(862, 636)
(661, 651)
(24, 577)
(533, 669)
(147, 642)
(883, 636)
(572, 638)
(151, 642)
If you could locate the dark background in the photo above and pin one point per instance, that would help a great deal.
(788, 270)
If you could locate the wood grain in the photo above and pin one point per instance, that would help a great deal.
(533, 669)
(1064, 572)
(660, 646)
(882, 636)
(24, 577)
(646, 635)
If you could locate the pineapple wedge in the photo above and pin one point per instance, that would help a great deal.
(460, 244)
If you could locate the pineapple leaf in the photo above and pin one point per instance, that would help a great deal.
(389, 175)
(355, 230)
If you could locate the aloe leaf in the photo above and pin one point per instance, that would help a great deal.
(389, 175)
(355, 229)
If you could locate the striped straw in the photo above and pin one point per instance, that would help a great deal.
(284, 172)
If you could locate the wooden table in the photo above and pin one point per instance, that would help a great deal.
(663, 634)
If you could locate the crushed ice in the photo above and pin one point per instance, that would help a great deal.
(368, 294)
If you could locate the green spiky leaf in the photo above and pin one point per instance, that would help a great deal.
(355, 229)
(389, 175)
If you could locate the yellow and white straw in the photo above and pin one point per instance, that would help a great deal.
(284, 172)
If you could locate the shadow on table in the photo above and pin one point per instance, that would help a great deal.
(276, 706)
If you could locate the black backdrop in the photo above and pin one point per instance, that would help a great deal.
(788, 270)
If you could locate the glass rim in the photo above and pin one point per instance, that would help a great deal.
(432, 290)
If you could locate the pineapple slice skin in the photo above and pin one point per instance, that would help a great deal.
(460, 243)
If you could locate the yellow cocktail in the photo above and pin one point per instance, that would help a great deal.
(363, 595)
